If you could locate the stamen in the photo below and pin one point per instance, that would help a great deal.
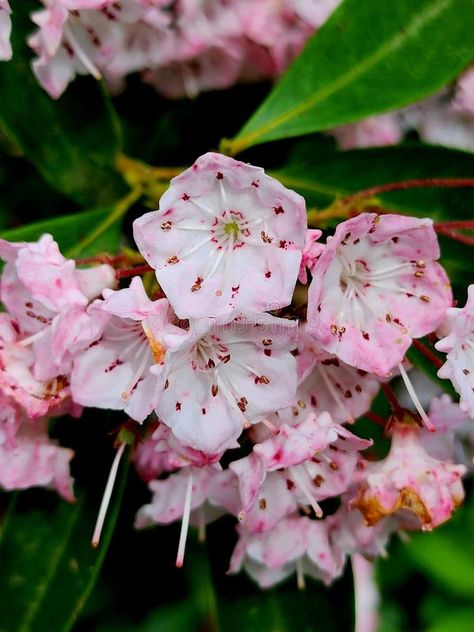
(199, 245)
(81, 54)
(301, 484)
(300, 575)
(104, 505)
(270, 426)
(139, 372)
(185, 522)
(28, 341)
(228, 395)
(414, 398)
(206, 210)
(334, 394)
(201, 525)
(366, 596)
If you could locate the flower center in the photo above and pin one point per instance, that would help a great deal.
(232, 228)
(208, 354)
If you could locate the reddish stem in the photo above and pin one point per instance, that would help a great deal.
(128, 272)
(377, 419)
(391, 397)
(419, 183)
(452, 234)
(438, 363)
(462, 224)
(101, 259)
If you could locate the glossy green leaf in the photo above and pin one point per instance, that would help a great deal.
(74, 141)
(370, 57)
(70, 230)
(48, 567)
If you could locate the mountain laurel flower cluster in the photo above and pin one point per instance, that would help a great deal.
(242, 402)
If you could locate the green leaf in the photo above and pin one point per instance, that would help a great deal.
(71, 230)
(461, 620)
(74, 141)
(48, 567)
(367, 59)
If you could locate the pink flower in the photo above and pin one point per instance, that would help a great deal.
(35, 461)
(121, 359)
(375, 287)
(5, 31)
(11, 417)
(464, 97)
(149, 463)
(326, 383)
(459, 347)
(315, 460)
(169, 494)
(375, 131)
(17, 381)
(311, 253)
(226, 237)
(351, 534)
(454, 432)
(221, 375)
(215, 68)
(48, 297)
(296, 544)
(409, 479)
(260, 499)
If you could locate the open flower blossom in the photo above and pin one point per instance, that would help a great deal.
(409, 480)
(121, 356)
(17, 381)
(226, 237)
(34, 460)
(223, 374)
(376, 286)
(459, 347)
(296, 545)
(5, 30)
(48, 296)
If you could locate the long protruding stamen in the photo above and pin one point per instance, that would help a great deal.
(104, 505)
(335, 395)
(366, 596)
(305, 491)
(31, 339)
(414, 398)
(185, 522)
(82, 56)
(300, 575)
(201, 525)
(270, 426)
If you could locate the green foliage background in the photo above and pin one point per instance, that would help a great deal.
(60, 173)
